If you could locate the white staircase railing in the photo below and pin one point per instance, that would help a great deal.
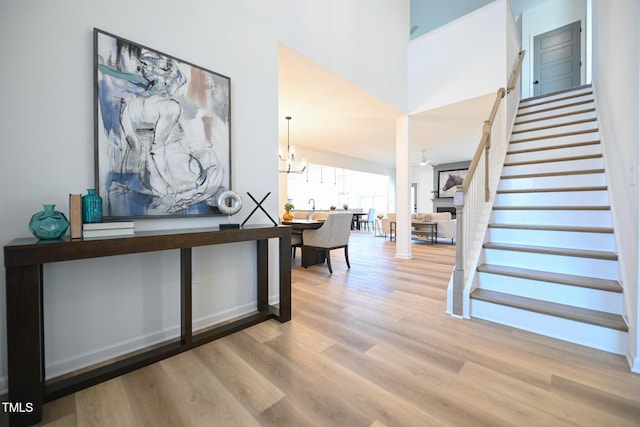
(473, 198)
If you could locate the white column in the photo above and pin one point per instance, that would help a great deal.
(403, 197)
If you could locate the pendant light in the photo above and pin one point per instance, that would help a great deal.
(290, 156)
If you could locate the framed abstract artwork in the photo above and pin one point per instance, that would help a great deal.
(448, 180)
(162, 132)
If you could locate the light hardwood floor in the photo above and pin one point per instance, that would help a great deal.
(369, 346)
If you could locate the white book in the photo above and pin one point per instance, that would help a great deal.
(108, 225)
(114, 232)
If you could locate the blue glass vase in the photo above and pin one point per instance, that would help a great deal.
(91, 207)
(49, 224)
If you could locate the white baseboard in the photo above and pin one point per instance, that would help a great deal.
(634, 364)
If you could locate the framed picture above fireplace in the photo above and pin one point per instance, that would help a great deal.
(448, 180)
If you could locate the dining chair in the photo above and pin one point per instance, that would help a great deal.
(371, 216)
(333, 234)
(301, 214)
(296, 242)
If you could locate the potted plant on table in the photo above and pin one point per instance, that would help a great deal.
(345, 206)
(287, 214)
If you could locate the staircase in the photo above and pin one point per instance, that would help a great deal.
(549, 262)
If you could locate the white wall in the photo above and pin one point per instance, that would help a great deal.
(616, 76)
(461, 60)
(95, 309)
(547, 17)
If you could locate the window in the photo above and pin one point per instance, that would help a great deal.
(328, 186)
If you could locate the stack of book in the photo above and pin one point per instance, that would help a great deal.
(107, 229)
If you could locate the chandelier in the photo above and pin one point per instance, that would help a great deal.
(290, 156)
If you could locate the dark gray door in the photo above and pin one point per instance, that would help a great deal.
(556, 63)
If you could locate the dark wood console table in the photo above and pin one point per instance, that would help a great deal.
(24, 259)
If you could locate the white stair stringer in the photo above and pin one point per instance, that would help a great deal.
(549, 263)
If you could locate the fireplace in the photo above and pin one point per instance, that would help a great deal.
(450, 209)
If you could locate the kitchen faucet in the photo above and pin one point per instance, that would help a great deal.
(314, 203)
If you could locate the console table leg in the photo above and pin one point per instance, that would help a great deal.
(263, 274)
(285, 279)
(25, 349)
(186, 280)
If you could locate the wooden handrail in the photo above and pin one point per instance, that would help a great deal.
(499, 95)
(516, 72)
(485, 139)
(474, 162)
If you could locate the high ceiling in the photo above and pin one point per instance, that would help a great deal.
(427, 15)
(330, 114)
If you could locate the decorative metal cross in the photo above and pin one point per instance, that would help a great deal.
(259, 206)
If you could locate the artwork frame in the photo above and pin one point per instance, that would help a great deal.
(447, 178)
(162, 132)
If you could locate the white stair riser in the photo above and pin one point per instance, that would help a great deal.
(519, 127)
(562, 217)
(605, 339)
(593, 299)
(578, 92)
(553, 142)
(582, 150)
(556, 181)
(564, 110)
(561, 166)
(589, 126)
(591, 267)
(577, 198)
(554, 239)
(536, 105)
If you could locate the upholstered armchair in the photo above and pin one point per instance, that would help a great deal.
(386, 223)
(446, 225)
(333, 234)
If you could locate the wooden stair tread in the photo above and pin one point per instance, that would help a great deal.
(548, 250)
(593, 317)
(546, 110)
(556, 116)
(572, 92)
(553, 160)
(555, 147)
(572, 228)
(547, 276)
(548, 174)
(554, 208)
(552, 189)
(555, 135)
(555, 125)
